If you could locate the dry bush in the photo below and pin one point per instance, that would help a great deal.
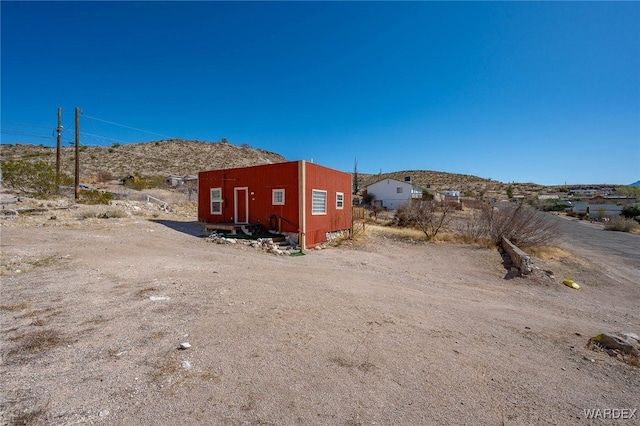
(522, 225)
(33, 416)
(112, 213)
(548, 253)
(622, 224)
(94, 196)
(104, 176)
(398, 233)
(34, 342)
(427, 216)
(16, 307)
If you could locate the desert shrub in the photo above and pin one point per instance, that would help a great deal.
(631, 210)
(630, 191)
(35, 178)
(111, 213)
(139, 182)
(93, 196)
(368, 198)
(473, 228)
(521, 224)
(104, 176)
(622, 224)
(426, 215)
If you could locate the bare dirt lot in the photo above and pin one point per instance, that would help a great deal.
(380, 331)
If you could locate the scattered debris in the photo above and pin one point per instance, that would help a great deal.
(623, 346)
(569, 283)
(156, 298)
(282, 248)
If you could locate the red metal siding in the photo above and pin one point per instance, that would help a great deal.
(333, 181)
(260, 181)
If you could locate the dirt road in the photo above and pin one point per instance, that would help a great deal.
(377, 332)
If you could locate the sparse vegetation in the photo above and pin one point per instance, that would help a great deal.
(368, 198)
(629, 191)
(93, 196)
(510, 191)
(425, 215)
(139, 182)
(111, 213)
(104, 176)
(622, 224)
(180, 157)
(34, 178)
(631, 210)
(33, 343)
(521, 224)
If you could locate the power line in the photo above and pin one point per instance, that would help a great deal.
(13, 123)
(128, 127)
(102, 137)
(18, 132)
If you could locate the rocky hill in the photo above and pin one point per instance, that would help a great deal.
(158, 158)
(184, 157)
(434, 180)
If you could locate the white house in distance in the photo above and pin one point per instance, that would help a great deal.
(392, 194)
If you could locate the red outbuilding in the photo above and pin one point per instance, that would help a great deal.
(304, 200)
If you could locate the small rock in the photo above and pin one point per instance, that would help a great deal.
(184, 345)
(156, 298)
(624, 342)
(186, 365)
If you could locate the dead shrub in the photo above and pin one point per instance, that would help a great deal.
(521, 224)
(35, 342)
(16, 307)
(34, 416)
(104, 176)
(622, 224)
(427, 216)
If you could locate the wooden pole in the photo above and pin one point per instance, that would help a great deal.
(77, 173)
(58, 146)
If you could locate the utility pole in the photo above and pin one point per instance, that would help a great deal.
(355, 176)
(77, 174)
(58, 146)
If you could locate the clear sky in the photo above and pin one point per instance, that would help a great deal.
(516, 92)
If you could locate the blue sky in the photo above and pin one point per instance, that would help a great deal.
(516, 92)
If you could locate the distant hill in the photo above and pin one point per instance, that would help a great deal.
(157, 158)
(433, 180)
(637, 183)
(186, 157)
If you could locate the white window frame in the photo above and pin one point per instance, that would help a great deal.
(273, 197)
(216, 199)
(339, 200)
(315, 192)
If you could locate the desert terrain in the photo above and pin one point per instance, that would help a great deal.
(380, 330)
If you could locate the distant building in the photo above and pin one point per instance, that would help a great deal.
(174, 180)
(392, 194)
(453, 196)
(596, 211)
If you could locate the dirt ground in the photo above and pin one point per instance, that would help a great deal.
(379, 331)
